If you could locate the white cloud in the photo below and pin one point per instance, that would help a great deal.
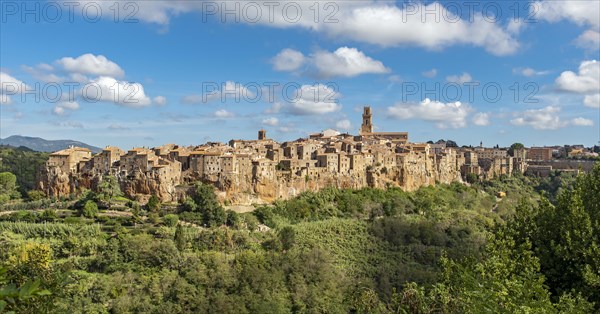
(580, 12)
(272, 121)
(444, 115)
(91, 65)
(481, 119)
(529, 72)
(311, 99)
(388, 25)
(587, 80)
(9, 86)
(72, 124)
(275, 108)
(117, 127)
(64, 107)
(540, 119)
(430, 74)
(380, 23)
(59, 111)
(343, 62)
(515, 26)
(101, 85)
(160, 100)
(395, 78)
(229, 91)
(346, 62)
(288, 60)
(589, 40)
(71, 105)
(592, 101)
(192, 99)
(43, 72)
(223, 114)
(460, 79)
(582, 122)
(5, 100)
(122, 93)
(344, 125)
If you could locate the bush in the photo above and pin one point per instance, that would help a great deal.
(189, 205)
(233, 219)
(170, 220)
(153, 203)
(154, 218)
(35, 195)
(89, 210)
(250, 220)
(49, 215)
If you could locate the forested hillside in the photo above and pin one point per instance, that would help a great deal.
(24, 163)
(443, 249)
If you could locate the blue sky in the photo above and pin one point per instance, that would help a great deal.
(182, 68)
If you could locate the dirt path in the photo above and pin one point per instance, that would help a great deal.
(240, 209)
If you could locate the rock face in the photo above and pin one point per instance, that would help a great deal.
(139, 173)
(263, 171)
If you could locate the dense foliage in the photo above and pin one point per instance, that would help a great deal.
(443, 249)
(24, 164)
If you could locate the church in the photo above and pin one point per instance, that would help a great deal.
(366, 130)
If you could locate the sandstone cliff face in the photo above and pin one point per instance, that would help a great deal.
(410, 172)
(147, 184)
(57, 183)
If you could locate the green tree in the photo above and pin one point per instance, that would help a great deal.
(233, 219)
(25, 164)
(89, 210)
(108, 189)
(205, 199)
(20, 299)
(8, 186)
(180, 238)
(287, 237)
(49, 215)
(189, 205)
(170, 220)
(214, 217)
(35, 195)
(513, 147)
(153, 203)
(507, 280)
(566, 237)
(204, 196)
(472, 178)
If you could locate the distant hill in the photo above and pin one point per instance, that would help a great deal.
(42, 145)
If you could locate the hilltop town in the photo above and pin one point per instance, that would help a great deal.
(262, 170)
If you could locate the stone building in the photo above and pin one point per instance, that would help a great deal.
(262, 170)
(540, 153)
(68, 160)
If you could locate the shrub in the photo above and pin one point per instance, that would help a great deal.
(153, 203)
(170, 220)
(35, 195)
(233, 219)
(89, 210)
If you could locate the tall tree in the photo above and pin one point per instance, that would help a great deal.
(566, 237)
(108, 189)
(513, 147)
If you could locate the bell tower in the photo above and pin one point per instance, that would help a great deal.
(262, 134)
(367, 121)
